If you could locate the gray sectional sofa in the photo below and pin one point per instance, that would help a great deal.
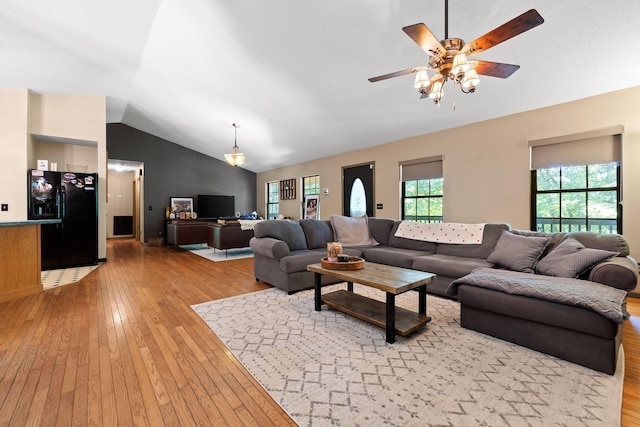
(569, 328)
(283, 249)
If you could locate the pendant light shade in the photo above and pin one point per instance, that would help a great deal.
(236, 158)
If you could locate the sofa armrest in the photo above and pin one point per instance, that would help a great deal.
(269, 247)
(619, 272)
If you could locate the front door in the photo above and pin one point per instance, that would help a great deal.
(357, 190)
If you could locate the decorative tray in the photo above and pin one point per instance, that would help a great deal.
(354, 263)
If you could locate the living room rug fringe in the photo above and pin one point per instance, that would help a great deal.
(326, 368)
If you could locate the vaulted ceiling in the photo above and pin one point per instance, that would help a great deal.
(293, 73)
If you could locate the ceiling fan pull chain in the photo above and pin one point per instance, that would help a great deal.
(454, 96)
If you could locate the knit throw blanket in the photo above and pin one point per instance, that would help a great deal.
(248, 224)
(446, 232)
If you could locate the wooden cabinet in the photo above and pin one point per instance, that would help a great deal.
(20, 266)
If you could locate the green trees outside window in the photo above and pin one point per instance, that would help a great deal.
(577, 198)
(422, 200)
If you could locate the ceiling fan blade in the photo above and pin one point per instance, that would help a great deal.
(397, 74)
(420, 34)
(495, 69)
(518, 25)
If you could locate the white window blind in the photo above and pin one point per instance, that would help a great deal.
(589, 148)
(425, 168)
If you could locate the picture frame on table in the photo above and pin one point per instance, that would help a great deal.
(312, 207)
(182, 205)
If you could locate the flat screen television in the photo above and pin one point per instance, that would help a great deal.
(216, 206)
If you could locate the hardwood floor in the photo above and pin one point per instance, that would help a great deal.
(123, 347)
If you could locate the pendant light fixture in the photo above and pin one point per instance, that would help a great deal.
(236, 158)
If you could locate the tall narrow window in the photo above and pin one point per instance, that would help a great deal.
(422, 189)
(273, 196)
(576, 184)
(310, 187)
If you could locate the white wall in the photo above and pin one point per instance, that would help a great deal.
(14, 120)
(64, 116)
(486, 164)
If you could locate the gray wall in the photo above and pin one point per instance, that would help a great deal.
(171, 170)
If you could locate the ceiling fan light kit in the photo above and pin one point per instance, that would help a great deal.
(236, 158)
(449, 57)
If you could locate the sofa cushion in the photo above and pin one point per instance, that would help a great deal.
(571, 258)
(288, 231)
(397, 257)
(552, 243)
(448, 265)
(352, 231)
(546, 312)
(606, 242)
(401, 242)
(317, 233)
(298, 260)
(490, 237)
(380, 229)
(517, 253)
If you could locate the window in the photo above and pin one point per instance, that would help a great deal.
(577, 198)
(310, 205)
(310, 185)
(273, 195)
(422, 189)
(576, 183)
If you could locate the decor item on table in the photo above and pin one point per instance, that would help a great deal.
(236, 158)
(312, 207)
(343, 262)
(448, 57)
(328, 368)
(181, 205)
(334, 250)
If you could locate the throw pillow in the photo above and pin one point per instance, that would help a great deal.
(352, 231)
(517, 253)
(571, 258)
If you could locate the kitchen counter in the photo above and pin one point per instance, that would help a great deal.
(31, 222)
(20, 266)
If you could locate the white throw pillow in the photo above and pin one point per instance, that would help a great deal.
(352, 231)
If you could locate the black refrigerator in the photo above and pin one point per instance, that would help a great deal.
(71, 197)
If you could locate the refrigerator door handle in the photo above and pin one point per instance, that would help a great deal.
(63, 204)
(59, 201)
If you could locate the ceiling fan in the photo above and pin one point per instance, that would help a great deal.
(448, 57)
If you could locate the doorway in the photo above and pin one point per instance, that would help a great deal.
(357, 190)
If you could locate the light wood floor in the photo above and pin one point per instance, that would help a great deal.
(123, 347)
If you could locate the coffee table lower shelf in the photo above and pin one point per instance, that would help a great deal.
(374, 311)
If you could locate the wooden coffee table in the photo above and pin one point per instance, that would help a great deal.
(391, 280)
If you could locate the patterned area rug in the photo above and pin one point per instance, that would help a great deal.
(326, 368)
(218, 255)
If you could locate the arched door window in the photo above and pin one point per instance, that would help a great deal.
(358, 202)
